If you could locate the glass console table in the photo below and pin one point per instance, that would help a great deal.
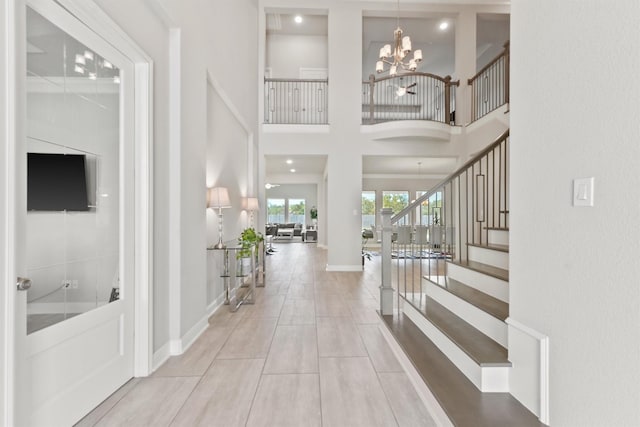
(241, 275)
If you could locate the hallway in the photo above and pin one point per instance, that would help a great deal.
(308, 353)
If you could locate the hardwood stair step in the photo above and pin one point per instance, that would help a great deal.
(479, 347)
(493, 247)
(461, 400)
(487, 303)
(489, 270)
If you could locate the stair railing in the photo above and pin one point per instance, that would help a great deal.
(394, 98)
(490, 86)
(441, 224)
(296, 101)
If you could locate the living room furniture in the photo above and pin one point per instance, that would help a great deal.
(310, 235)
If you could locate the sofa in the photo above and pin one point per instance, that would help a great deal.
(287, 230)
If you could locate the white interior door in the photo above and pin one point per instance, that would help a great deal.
(75, 217)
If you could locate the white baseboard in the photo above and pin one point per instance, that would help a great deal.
(215, 305)
(178, 347)
(161, 356)
(429, 400)
(529, 378)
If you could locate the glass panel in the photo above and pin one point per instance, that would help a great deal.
(72, 222)
(297, 211)
(368, 209)
(275, 211)
(396, 200)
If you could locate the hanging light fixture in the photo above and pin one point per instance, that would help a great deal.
(397, 58)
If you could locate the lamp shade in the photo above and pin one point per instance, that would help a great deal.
(251, 204)
(218, 198)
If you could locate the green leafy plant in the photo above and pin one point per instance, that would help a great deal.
(313, 212)
(248, 238)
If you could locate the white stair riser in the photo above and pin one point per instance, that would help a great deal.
(488, 256)
(490, 285)
(487, 324)
(486, 379)
(498, 237)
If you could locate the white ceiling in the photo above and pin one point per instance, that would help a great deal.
(277, 165)
(391, 166)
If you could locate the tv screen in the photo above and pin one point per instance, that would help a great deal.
(56, 182)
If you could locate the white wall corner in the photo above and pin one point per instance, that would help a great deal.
(215, 305)
(180, 346)
(529, 376)
(161, 356)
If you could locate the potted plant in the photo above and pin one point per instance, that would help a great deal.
(248, 238)
(313, 212)
(366, 235)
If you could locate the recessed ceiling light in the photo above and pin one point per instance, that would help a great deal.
(292, 170)
(289, 161)
(298, 19)
(444, 25)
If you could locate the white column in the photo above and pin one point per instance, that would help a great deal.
(465, 63)
(386, 290)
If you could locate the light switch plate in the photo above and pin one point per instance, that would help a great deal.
(583, 191)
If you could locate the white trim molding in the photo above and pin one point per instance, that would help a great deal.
(529, 379)
(347, 268)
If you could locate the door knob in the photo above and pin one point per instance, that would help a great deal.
(23, 283)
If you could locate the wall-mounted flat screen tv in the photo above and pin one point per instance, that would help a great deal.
(56, 182)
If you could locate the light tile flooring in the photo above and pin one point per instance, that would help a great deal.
(308, 353)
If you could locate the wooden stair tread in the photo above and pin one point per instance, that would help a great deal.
(492, 246)
(461, 400)
(498, 273)
(479, 347)
(493, 306)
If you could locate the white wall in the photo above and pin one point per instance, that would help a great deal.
(153, 38)
(183, 211)
(308, 51)
(574, 270)
(7, 292)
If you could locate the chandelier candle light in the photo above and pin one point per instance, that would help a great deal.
(219, 199)
(397, 59)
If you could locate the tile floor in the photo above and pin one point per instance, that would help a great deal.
(308, 353)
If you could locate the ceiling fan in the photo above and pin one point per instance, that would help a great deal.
(403, 90)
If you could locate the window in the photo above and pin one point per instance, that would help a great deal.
(368, 209)
(296, 211)
(430, 210)
(396, 200)
(275, 211)
(282, 211)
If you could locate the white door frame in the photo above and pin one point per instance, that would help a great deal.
(10, 124)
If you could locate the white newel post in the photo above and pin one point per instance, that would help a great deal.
(386, 290)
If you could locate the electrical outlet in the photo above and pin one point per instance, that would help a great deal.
(74, 284)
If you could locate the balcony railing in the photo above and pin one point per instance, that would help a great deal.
(411, 96)
(490, 86)
(460, 211)
(293, 101)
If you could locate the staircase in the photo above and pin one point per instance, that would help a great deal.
(454, 290)
(464, 315)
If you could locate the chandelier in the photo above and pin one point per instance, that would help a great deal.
(397, 59)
